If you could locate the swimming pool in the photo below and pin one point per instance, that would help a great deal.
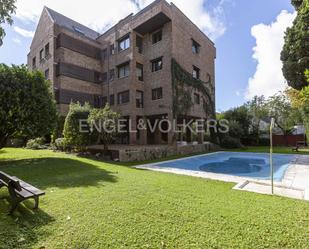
(253, 165)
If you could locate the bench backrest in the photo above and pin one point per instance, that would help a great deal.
(9, 181)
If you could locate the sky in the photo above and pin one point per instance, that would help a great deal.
(248, 35)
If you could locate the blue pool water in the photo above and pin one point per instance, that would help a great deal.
(255, 165)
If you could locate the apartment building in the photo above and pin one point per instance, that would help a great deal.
(130, 66)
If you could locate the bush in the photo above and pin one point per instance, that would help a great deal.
(60, 144)
(264, 141)
(58, 131)
(73, 136)
(228, 142)
(36, 144)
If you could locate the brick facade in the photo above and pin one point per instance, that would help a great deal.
(81, 62)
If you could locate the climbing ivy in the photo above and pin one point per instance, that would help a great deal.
(182, 82)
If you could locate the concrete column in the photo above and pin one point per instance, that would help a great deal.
(132, 129)
(143, 135)
(171, 136)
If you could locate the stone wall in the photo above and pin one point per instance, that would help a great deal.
(159, 152)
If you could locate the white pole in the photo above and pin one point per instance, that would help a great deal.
(272, 124)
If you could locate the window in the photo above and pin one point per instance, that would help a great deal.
(111, 74)
(104, 54)
(112, 99)
(195, 47)
(157, 36)
(124, 70)
(139, 71)
(157, 93)
(34, 63)
(139, 44)
(112, 49)
(46, 50)
(103, 77)
(46, 74)
(123, 97)
(96, 101)
(104, 101)
(197, 98)
(139, 99)
(124, 43)
(156, 65)
(41, 54)
(196, 73)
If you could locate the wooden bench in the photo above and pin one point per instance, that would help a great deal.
(19, 190)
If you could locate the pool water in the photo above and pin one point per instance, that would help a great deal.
(253, 165)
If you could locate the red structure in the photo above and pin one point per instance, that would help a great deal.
(288, 140)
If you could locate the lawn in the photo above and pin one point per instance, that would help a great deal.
(265, 149)
(91, 204)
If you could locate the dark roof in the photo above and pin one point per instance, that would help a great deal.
(66, 22)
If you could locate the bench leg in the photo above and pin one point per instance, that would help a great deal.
(36, 204)
(13, 207)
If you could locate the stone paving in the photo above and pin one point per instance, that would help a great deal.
(295, 183)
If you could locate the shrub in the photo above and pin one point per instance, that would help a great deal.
(60, 144)
(228, 142)
(36, 144)
(264, 141)
(58, 131)
(73, 136)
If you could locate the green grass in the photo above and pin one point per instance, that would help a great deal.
(91, 204)
(282, 150)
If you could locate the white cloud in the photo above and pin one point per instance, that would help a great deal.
(23, 32)
(268, 78)
(17, 40)
(100, 15)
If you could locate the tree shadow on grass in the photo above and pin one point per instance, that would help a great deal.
(57, 172)
(19, 230)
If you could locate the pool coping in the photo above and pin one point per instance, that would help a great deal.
(286, 181)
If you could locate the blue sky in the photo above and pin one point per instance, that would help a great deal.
(236, 26)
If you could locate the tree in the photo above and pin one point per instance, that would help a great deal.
(27, 107)
(7, 8)
(241, 116)
(285, 115)
(257, 109)
(300, 101)
(103, 122)
(295, 53)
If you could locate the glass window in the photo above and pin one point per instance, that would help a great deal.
(139, 71)
(157, 93)
(195, 47)
(112, 99)
(196, 98)
(157, 36)
(157, 65)
(46, 74)
(111, 74)
(124, 43)
(124, 70)
(46, 50)
(196, 73)
(41, 54)
(139, 44)
(33, 62)
(104, 54)
(124, 97)
(112, 49)
(139, 99)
